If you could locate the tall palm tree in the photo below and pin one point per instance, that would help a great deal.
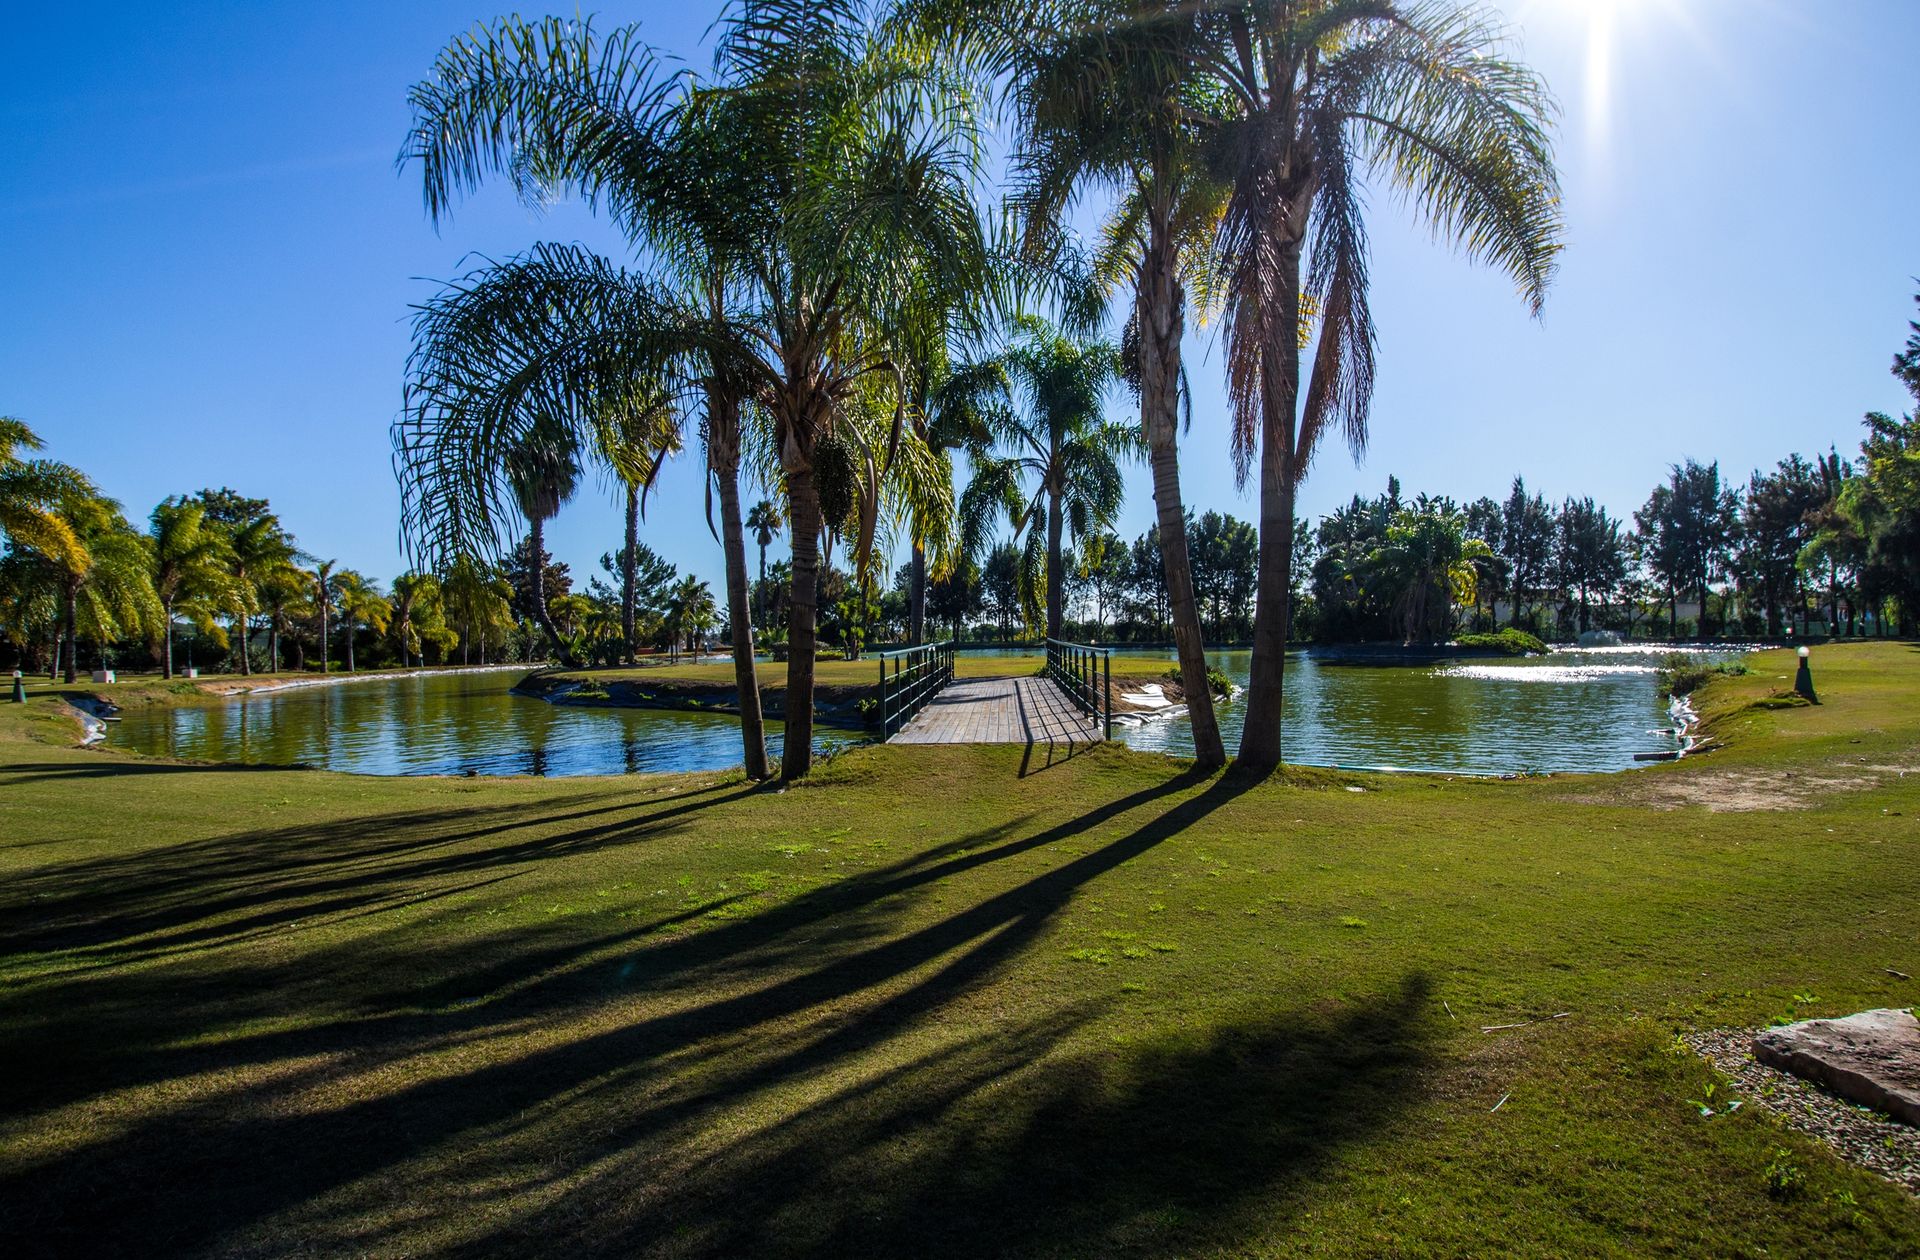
(806, 204)
(765, 521)
(635, 437)
(360, 603)
(256, 549)
(1317, 95)
(419, 616)
(284, 595)
(191, 569)
(480, 601)
(322, 588)
(1058, 439)
(690, 612)
(1106, 96)
(31, 491)
(104, 584)
(544, 472)
(950, 414)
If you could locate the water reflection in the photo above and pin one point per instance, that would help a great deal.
(443, 724)
(1576, 709)
(1580, 709)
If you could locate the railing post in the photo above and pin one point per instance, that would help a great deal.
(883, 699)
(1106, 690)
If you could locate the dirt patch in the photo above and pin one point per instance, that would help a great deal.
(1856, 1134)
(1739, 790)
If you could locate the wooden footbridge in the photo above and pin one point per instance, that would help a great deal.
(921, 702)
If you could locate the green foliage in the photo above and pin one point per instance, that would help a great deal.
(1682, 675)
(1785, 1179)
(1509, 641)
(1217, 681)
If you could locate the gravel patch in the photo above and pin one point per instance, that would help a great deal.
(1857, 1134)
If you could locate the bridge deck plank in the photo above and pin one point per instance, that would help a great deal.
(1029, 710)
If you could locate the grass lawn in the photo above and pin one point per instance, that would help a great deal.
(929, 1005)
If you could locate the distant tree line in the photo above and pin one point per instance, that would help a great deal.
(215, 581)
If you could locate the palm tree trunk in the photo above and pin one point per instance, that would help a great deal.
(723, 448)
(1056, 584)
(240, 643)
(166, 666)
(796, 757)
(917, 596)
(538, 530)
(403, 651)
(1260, 746)
(70, 615)
(1161, 320)
(629, 562)
(324, 660)
(760, 589)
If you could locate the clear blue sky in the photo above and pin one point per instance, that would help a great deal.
(207, 258)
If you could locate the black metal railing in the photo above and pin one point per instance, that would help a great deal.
(1085, 673)
(909, 677)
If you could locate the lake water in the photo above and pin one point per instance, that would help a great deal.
(1581, 709)
(1576, 709)
(443, 724)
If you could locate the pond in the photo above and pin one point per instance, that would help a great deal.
(1573, 709)
(442, 724)
(1579, 709)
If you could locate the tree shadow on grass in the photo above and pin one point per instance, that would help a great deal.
(824, 1077)
(1018, 1143)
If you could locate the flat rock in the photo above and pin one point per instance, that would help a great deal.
(1872, 1058)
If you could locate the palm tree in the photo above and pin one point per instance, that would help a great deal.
(690, 612)
(419, 616)
(104, 581)
(360, 602)
(31, 491)
(950, 414)
(284, 592)
(1316, 95)
(480, 601)
(322, 586)
(1059, 439)
(805, 206)
(764, 520)
(256, 549)
(544, 472)
(191, 569)
(1108, 95)
(635, 439)
(1428, 560)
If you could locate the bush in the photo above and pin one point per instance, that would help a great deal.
(1510, 641)
(1682, 675)
(1217, 680)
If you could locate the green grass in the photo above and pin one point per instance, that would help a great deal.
(929, 1004)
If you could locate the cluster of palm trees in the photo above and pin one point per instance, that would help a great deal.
(823, 294)
(76, 571)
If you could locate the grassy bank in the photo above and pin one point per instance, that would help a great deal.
(943, 1002)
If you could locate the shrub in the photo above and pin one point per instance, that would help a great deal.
(1217, 681)
(1682, 675)
(1510, 641)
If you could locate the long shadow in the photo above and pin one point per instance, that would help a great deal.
(113, 765)
(292, 873)
(986, 1149)
(846, 989)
